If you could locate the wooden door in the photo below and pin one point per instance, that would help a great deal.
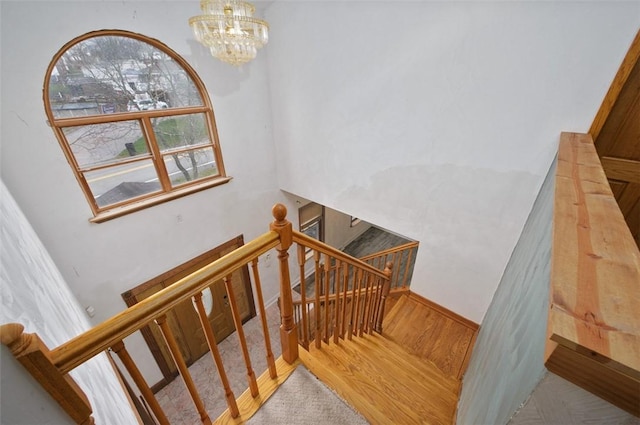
(183, 319)
(616, 134)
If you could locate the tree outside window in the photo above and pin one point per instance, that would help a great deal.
(134, 121)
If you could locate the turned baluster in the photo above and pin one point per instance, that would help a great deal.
(263, 316)
(251, 376)
(327, 279)
(369, 298)
(355, 304)
(345, 286)
(34, 356)
(396, 271)
(407, 265)
(337, 278)
(386, 287)
(140, 382)
(317, 310)
(288, 332)
(215, 353)
(303, 296)
(375, 304)
(172, 344)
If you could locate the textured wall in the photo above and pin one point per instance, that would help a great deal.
(438, 120)
(35, 295)
(508, 357)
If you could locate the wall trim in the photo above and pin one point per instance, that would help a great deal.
(445, 311)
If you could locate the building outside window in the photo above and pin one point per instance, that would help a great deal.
(134, 121)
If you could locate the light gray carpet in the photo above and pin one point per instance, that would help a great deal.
(304, 399)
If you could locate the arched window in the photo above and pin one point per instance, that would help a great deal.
(133, 120)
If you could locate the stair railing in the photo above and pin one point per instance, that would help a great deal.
(353, 290)
(51, 367)
(341, 297)
(403, 257)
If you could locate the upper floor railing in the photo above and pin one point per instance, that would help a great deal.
(51, 367)
(334, 294)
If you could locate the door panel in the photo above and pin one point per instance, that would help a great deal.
(183, 319)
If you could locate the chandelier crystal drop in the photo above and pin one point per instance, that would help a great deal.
(229, 30)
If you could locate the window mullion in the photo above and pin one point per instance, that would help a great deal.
(80, 177)
(156, 156)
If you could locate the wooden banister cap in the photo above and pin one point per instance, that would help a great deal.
(10, 333)
(279, 212)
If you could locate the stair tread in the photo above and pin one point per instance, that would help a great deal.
(429, 334)
(397, 307)
(383, 382)
(413, 362)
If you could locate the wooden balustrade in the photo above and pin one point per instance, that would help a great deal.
(348, 301)
(51, 367)
(402, 256)
(347, 296)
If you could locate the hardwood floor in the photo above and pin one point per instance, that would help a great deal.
(384, 383)
(410, 374)
(430, 334)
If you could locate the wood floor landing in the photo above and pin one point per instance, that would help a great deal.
(430, 332)
(408, 375)
(383, 382)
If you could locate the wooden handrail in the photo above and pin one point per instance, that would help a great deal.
(595, 271)
(315, 244)
(594, 326)
(388, 251)
(331, 297)
(88, 344)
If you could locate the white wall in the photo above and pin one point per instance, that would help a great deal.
(35, 295)
(438, 120)
(100, 261)
(508, 357)
(338, 231)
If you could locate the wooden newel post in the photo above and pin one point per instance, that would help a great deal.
(288, 329)
(34, 355)
(386, 287)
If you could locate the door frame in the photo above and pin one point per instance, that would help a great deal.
(172, 276)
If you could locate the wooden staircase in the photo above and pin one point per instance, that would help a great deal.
(385, 382)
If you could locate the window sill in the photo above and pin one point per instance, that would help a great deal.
(159, 199)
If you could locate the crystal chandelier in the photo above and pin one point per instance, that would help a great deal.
(229, 29)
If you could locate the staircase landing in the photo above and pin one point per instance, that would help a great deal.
(383, 382)
(410, 374)
(431, 332)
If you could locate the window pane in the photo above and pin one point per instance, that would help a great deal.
(99, 144)
(312, 230)
(107, 74)
(192, 165)
(179, 131)
(122, 182)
